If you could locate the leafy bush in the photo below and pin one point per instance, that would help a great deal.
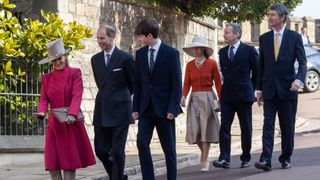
(21, 46)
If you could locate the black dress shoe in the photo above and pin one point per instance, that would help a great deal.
(245, 164)
(125, 177)
(285, 165)
(221, 164)
(263, 165)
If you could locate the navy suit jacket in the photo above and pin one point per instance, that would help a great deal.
(163, 87)
(277, 76)
(113, 104)
(239, 75)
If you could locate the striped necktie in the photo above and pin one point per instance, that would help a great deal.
(231, 53)
(151, 60)
(276, 46)
(107, 59)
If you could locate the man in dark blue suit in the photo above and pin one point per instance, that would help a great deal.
(157, 94)
(113, 71)
(278, 84)
(238, 63)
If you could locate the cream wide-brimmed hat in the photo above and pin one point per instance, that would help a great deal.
(198, 42)
(55, 50)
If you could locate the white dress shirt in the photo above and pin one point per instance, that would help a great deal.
(304, 39)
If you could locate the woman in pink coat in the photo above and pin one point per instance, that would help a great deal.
(67, 146)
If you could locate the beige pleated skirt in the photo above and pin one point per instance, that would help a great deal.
(203, 123)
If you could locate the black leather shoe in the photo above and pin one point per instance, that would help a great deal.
(125, 177)
(245, 164)
(285, 165)
(263, 165)
(221, 164)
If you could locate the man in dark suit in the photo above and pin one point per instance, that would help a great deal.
(278, 84)
(305, 37)
(113, 73)
(239, 63)
(157, 94)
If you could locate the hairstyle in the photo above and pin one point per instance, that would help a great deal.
(147, 26)
(236, 29)
(303, 28)
(205, 53)
(281, 9)
(66, 60)
(110, 30)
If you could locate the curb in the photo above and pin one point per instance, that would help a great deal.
(134, 170)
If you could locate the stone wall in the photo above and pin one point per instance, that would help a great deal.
(252, 31)
(294, 23)
(246, 31)
(175, 29)
(317, 30)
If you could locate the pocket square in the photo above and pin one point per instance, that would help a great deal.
(117, 69)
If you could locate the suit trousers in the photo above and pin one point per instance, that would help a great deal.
(287, 116)
(244, 112)
(167, 135)
(109, 143)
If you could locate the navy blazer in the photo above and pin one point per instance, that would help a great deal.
(277, 76)
(163, 87)
(113, 105)
(239, 75)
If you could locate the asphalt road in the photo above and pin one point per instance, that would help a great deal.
(305, 165)
(305, 160)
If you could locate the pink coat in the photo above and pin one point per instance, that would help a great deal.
(67, 146)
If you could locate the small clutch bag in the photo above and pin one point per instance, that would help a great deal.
(62, 113)
(216, 105)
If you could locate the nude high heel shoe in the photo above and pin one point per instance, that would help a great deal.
(204, 166)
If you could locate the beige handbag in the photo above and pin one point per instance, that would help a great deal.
(62, 113)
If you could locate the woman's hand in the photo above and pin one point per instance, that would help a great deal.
(183, 101)
(70, 119)
(39, 115)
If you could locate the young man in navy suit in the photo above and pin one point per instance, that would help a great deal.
(239, 63)
(278, 84)
(157, 94)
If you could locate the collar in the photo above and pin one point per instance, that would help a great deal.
(280, 32)
(110, 52)
(156, 46)
(236, 45)
(304, 34)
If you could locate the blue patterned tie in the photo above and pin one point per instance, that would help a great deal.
(151, 60)
(231, 53)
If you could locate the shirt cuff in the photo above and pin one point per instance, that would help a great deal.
(298, 83)
(256, 92)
